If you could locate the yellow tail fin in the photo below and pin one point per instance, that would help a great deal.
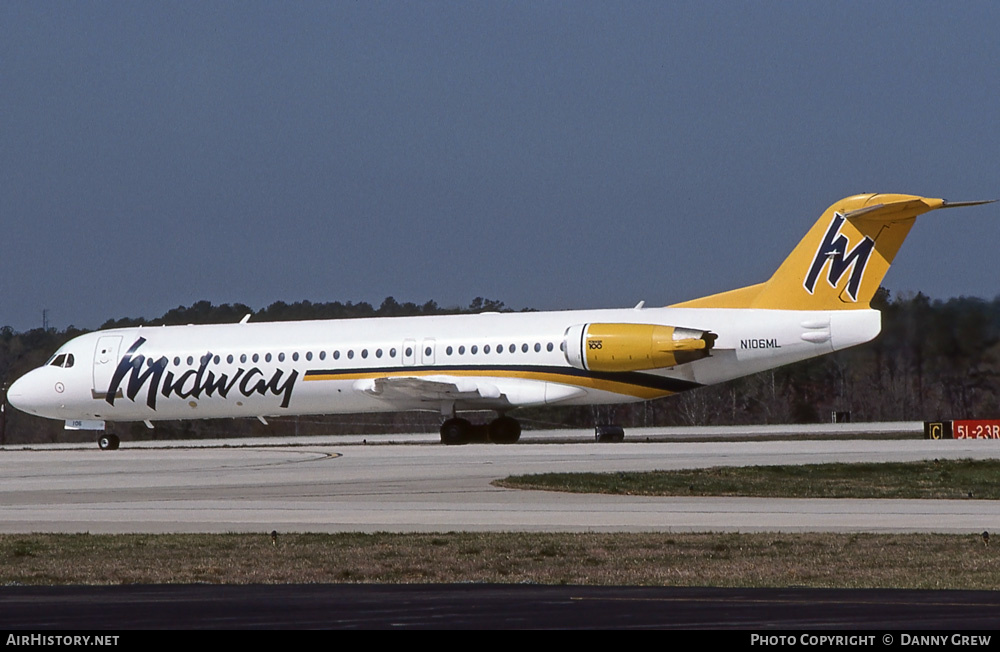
(841, 262)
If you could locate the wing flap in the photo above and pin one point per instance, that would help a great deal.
(466, 392)
(426, 388)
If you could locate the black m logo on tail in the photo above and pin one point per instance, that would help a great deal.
(833, 250)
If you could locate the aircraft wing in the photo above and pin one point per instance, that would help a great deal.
(466, 392)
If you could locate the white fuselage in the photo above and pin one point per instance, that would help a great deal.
(487, 361)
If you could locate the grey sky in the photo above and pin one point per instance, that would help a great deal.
(548, 154)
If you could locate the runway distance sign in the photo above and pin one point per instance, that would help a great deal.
(976, 429)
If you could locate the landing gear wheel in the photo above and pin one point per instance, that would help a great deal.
(455, 431)
(504, 430)
(108, 442)
(609, 434)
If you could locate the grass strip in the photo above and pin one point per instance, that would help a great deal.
(956, 479)
(936, 561)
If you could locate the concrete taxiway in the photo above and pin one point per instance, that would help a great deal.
(337, 484)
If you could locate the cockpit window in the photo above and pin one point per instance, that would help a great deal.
(64, 360)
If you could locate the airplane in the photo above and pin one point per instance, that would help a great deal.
(817, 302)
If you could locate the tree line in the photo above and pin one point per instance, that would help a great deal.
(933, 359)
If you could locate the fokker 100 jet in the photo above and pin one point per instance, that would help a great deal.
(817, 302)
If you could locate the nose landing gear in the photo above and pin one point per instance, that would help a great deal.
(108, 442)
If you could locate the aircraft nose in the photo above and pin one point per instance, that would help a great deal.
(16, 392)
(31, 392)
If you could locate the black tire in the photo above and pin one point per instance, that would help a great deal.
(504, 430)
(108, 442)
(455, 432)
(609, 434)
(479, 433)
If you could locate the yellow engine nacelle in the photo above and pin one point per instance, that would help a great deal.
(634, 347)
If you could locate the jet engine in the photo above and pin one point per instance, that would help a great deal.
(634, 347)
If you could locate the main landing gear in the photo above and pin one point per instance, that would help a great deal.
(609, 434)
(502, 430)
(506, 430)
